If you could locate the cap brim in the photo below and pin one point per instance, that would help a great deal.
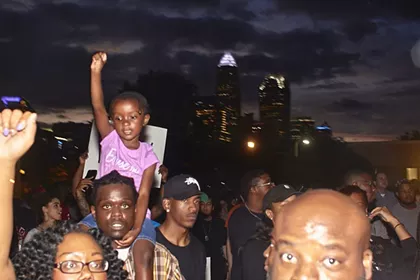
(185, 195)
(280, 199)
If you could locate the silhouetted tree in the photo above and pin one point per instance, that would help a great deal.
(412, 135)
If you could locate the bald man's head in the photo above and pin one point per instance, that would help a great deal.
(321, 235)
(363, 180)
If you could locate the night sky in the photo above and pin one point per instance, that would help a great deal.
(348, 60)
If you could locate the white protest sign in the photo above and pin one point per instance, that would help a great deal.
(208, 268)
(155, 136)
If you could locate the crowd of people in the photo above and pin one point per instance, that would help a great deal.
(122, 228)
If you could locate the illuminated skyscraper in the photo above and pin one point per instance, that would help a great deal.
(302, 127)
(274, 97)
(205, 117)
(228, 98)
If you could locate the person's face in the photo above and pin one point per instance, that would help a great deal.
(53, 210)
(359, 200)
(78, 247)
(114, 210)
(206, 208)
(365, 183)
(128, 119)
(318, 248)
(406, 194)
(263, 186)
(277, 207)
(183, 212)
(381, 181)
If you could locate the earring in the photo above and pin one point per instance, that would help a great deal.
(167, 210)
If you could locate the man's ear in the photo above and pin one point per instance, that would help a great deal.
(166, 204)
(269, 214)
(253, 189)
(146, 119)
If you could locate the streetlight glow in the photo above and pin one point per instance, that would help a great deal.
(251, 144)
(306, 141)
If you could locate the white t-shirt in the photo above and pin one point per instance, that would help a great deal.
(31, 235)
(126, 256)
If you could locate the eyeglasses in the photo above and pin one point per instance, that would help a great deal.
(271, 184)
(74, 267)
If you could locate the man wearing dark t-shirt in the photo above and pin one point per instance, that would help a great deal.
(243, 222)
(181, 202)
(211, 231)
(252, 253)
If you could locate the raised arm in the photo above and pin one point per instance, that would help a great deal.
(18, 134)
(77, 177)
(99, 111)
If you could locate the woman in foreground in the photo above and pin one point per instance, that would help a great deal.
(63, 251)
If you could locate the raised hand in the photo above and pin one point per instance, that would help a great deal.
(384, 214)
(98, 62)
(17, 134)
(83, 157)
(163, 170)
(84, 185)
(128, 239)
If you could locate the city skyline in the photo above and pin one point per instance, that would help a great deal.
(348, 61)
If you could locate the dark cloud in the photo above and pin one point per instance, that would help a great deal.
(62, 117)
(349, 105)
(56, 61)
(407, 92)
(338, 9)
(335, 85)
(356, 30)
(46, 55)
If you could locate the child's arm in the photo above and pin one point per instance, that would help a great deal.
(77, 177)
(17, 134)
(101, 117)
(141, 206)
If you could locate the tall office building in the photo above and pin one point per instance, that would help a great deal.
(274, 98)
(205, 117)
(228, 98)
(302, 127)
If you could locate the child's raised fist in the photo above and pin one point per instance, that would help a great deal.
(98, 61)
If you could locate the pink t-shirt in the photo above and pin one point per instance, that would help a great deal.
(130, 163)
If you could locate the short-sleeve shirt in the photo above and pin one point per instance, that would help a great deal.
(191, 258)
(131, 163)
(408, 217)
(242, 226)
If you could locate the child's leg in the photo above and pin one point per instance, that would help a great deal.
(143, 251)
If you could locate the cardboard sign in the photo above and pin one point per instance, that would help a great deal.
(155, 136)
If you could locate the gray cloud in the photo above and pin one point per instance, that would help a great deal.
(349, 105)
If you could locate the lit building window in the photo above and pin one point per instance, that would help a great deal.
(412, 173)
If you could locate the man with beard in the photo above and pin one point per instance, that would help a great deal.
(407, 210)
(181, 202)
(211, 231)
(320, 235)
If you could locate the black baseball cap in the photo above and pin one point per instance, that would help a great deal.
(277, 194)
(181, 187)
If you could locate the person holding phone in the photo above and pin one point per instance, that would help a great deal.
(81, 187)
